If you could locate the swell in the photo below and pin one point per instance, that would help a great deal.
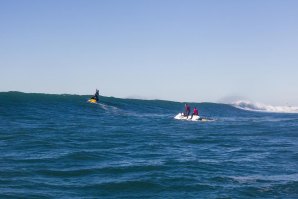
(59, 146)
(136, 105)
(49, 101)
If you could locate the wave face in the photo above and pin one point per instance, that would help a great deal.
(60, 146)
(251, 106)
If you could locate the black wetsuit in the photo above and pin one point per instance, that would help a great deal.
(95, 96)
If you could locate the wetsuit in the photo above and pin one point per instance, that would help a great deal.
(96, 96)
(187, 110)
(195, 112)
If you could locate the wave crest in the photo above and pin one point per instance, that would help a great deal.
(254, 106)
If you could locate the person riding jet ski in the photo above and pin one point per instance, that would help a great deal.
(186, 110)
(96, 96)
(195, 112)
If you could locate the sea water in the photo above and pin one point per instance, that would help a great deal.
(60, 146)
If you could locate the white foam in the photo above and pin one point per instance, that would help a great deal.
(277, 178)
(254, 106)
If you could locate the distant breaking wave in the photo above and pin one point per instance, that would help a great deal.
(137, 106)
(253, 106)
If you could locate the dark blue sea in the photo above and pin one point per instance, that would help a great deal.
(60, 146)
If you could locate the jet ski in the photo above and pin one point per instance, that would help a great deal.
(181, 116)
(95, 98)
(93, 101)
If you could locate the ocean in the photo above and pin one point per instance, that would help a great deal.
(60, 146)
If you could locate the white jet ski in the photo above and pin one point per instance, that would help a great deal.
(181, 116)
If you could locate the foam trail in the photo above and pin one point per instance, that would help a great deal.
(253, 106)
(108, 108)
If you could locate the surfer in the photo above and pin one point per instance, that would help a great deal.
(195, 112)
(187, 110)
(96, 95)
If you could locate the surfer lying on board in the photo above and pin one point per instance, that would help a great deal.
(186, 110)
(195, 112)
(96, 95)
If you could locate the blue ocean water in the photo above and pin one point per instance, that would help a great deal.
(60, 146)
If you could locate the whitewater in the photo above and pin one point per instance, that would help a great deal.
(60, 146)
(254, 106)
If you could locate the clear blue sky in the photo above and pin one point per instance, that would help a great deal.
(166, 49)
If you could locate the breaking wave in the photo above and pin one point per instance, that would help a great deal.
(254, 106)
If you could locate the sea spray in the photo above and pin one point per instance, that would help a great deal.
(254, 106)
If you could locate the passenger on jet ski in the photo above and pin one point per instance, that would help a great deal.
(195, 112)
(187, 110)
(96, 95)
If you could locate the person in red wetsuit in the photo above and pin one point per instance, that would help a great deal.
(195, 112)
(187, 110)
